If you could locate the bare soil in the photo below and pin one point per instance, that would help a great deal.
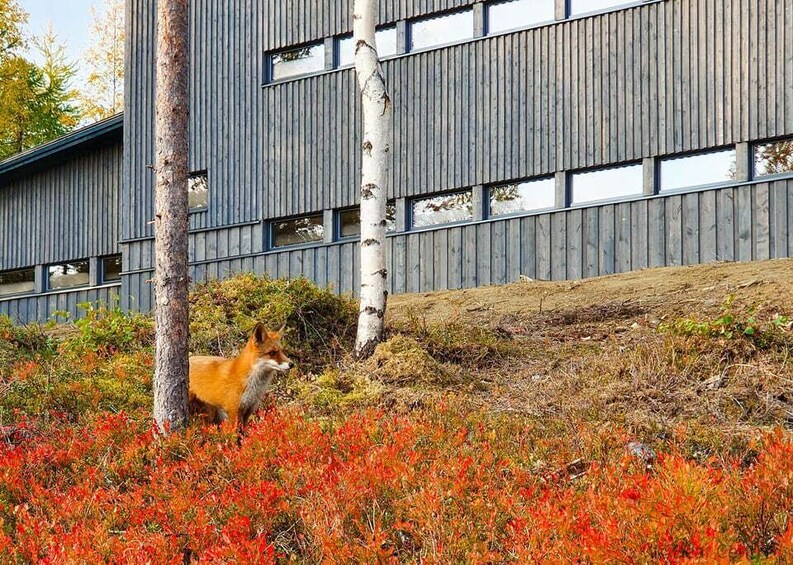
(605, 349)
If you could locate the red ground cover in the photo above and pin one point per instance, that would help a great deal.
(437, 484)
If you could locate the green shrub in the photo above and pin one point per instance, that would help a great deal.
(107, 330)
(320, 325)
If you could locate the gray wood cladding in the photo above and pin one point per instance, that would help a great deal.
(68, 211)
(742, 223)
(656, 79)
(43, 307)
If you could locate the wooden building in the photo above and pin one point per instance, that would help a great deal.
(555, 139)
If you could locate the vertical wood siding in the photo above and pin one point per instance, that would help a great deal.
(41, 308)
(68, 211)
(742, 223)
(656, 79)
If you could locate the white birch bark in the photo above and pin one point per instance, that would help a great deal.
(171, 282)
(377, 132)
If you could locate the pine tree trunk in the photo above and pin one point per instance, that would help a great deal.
(171, 280)
(376, 147)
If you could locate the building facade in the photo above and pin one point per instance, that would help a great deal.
(554, 139)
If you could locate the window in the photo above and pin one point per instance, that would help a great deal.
(697, 170)
(297, 61)
(578, 7)
(67, 275)
(386, 39)
(603, 184)
(522, 197)
(513, 14)
(298, 230)
(440, 30)
(444, 209)
(350, 221)
(111, 268)
(19, 281)
(197, 191)
(773, 158)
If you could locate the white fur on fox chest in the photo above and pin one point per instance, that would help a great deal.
(259, 379)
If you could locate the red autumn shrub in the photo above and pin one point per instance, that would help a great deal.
(438, 485)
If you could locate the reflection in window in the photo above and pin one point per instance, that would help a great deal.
(386, 39)
(67, 275)
(457, 207)
(300, 61)
(585, 6)
(111, 269)
(513, 14)
(773, 158)
(19, 281)
(350, 221)
(441, 30)
(299, 230)
(603, 184)
(698, 170)
(522, 197)
(197, 191)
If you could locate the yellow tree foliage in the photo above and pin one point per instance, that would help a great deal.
(36, 101)
(103, 94)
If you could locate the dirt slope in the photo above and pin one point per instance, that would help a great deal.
(613, 350)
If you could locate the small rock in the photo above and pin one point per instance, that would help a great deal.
(712, 383)
(641, 451)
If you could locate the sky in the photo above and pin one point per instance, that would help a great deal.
(71, 22)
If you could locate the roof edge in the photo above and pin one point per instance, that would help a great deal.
(42, 154)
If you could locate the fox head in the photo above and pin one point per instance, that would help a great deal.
(266, 346)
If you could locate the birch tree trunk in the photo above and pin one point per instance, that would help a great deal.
(171, 280)
(377, 132)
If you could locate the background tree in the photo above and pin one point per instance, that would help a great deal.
(37, 103)
(171, 279)
(377, 133)
(102, 95)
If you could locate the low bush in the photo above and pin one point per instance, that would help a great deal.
(319, 325)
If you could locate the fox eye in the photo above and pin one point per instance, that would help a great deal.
(271, 352)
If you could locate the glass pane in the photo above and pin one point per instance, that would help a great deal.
(68, 275)
(443, 209)
(197, 191)
(773, 158)
(386, 46)
(17, 282)
(586, 6)
(607, 183)
(696, 170)
(532, 195)
(300, 61)
(111, 268)
(299, 230)
(515, 14)
(441, 30)
(350, 221)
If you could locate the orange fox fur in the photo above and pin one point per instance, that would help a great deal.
(232, 389)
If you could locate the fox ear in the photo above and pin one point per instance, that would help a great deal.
(259, 333)
(280, 330)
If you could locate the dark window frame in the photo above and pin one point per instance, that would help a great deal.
(270, 55)
(344, 36)
(489, 33)
(337, 235)
(410, 22)
(192, 175)
(23, 293)
(658, 180)
(753, 146)
(486, 205)
(103, 271)
(271, 246)
(48, 284)
(411, 201)
(611, 199)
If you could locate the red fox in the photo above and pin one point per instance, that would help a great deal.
(232, 389)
